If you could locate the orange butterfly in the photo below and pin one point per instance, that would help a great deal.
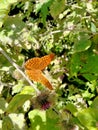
(34, 67)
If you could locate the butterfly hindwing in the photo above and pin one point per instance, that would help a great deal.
(37, 75)
(34, 74)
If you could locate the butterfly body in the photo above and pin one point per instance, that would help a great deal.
(34, 67)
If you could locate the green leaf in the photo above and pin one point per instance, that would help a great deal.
(18, 87)
(38, 119)
(95, 103)
(3, 105)
(44, 12)
(13, 25)
(17, 102)
(34, 113)
(4, 8)
(95, 39)
(41, 121)
(71, 108)
(89, 118)
(85, 64)
(57, 7)
(82, 43)
(28, 90)
(12, 1)
(7, 123)
(18, 121)
(3, 15)
(43, 8)
(93, 27)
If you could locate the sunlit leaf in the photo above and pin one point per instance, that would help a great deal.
(93, 27)
(43, 8)
(4, 8)
(71, 108)
(40, 120)
(95, 103)
(18, 87)
(18, 121)
(17, 102)
(7, 123)
(89, 118)
(28, 90)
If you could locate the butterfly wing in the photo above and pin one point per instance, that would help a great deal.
(33, 74)
(33, 63)
(37, 75)
(39, 63)
(45, 81)
(45, 61)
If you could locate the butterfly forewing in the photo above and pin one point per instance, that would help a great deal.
(33, 63)
(45, 61)
(39, 63)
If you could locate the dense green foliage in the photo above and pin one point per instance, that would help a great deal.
(34, 28)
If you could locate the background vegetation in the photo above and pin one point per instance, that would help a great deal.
(67, 28)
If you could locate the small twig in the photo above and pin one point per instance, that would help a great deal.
(16, 66)
(72, 29)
